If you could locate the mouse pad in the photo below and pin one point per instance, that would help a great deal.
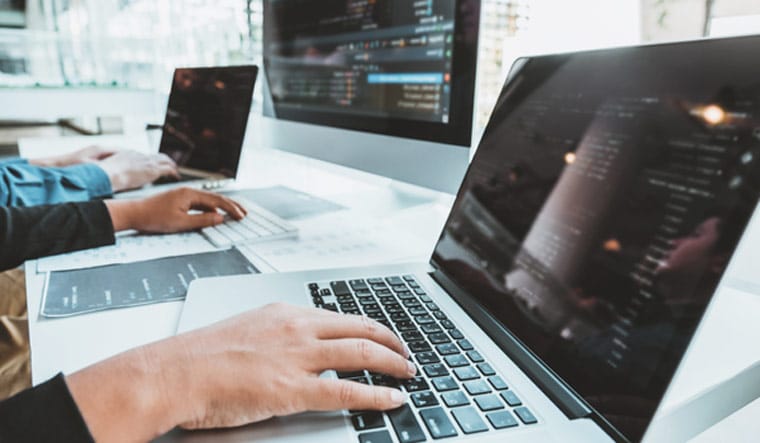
(287, 203)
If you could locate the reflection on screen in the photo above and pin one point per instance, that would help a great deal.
(603, 205)
(207, 116)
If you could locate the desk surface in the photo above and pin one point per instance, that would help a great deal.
(725, 344)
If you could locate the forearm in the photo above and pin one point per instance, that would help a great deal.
(135, 396)
(27, 233)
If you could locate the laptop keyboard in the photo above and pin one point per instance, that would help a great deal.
(456, 391)
(259, 225)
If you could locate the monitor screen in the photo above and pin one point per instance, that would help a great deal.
(602, 207)
(207, 116)
(394, 67)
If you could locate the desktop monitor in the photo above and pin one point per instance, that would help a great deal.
(386, 86)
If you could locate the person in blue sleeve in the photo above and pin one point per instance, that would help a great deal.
(87, 174)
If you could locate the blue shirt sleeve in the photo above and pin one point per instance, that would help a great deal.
(22, 184)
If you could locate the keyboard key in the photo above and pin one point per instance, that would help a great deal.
(406, 326)
(498, 383)
(431, 306)
(465, 345)
(395, 281)
(375, 437)
(439, 315)
(419, 291)
(435, 370)
(486, 369)
(456, 334)
(431, 329)
(419, 346)
(438, 423)
(399, 317)
(526, 416)
(409, 278)
(476, 387)
(447, 349)
(475, 356)
(419, 310)
(453, 399)
(426, 299)
(439, 338)
(511, 398)
(415, 384)
(424, 319)
(489, 403)
(350, 374)
(466, 373)
(406, 426)
(424, 399)
(502, 420)
(385, 380)
(340, 288)
(357, 285)
(469, 420)
(374, 281)
(443, 384)
(412, 336)
(448, 324)
(368, 420)
(426, 358)
(411, 303)
(456, 361)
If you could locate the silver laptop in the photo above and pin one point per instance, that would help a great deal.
(593, 227)
(206, 120)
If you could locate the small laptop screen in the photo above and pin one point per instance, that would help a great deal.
(603, 205)
(207, 117)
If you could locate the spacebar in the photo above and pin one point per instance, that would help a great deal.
(406, 426)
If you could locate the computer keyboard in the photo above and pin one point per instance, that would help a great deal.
(259, 225)
(455, 390)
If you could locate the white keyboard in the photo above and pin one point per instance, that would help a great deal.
(259, 225)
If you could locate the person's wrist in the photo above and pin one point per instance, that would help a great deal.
(124, 214)
(126, 397)
(173, 389)
(48, 162)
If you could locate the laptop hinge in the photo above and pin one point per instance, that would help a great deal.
(562, 395)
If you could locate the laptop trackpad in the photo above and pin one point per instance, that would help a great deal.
(302, 428)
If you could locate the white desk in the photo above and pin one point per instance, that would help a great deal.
(726, 343)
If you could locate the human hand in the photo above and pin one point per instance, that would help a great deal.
(170, 211)
(131, 169)
(88, 154)
(266, 363)
(261, 364)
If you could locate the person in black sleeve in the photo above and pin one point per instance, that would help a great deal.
(261, 364)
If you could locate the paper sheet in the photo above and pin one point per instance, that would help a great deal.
(128, 248)
(349, 239)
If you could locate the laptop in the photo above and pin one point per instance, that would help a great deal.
(206, 120)
(594, 225)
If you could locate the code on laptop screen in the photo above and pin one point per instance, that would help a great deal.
(604, 203)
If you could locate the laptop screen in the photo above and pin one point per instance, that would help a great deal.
(605, 200)
(207, 117)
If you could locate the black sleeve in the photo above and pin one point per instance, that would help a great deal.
(39, 231)
(46, 413)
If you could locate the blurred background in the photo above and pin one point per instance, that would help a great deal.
(129, 48)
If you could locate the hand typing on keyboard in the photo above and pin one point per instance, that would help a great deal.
(258, 365)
